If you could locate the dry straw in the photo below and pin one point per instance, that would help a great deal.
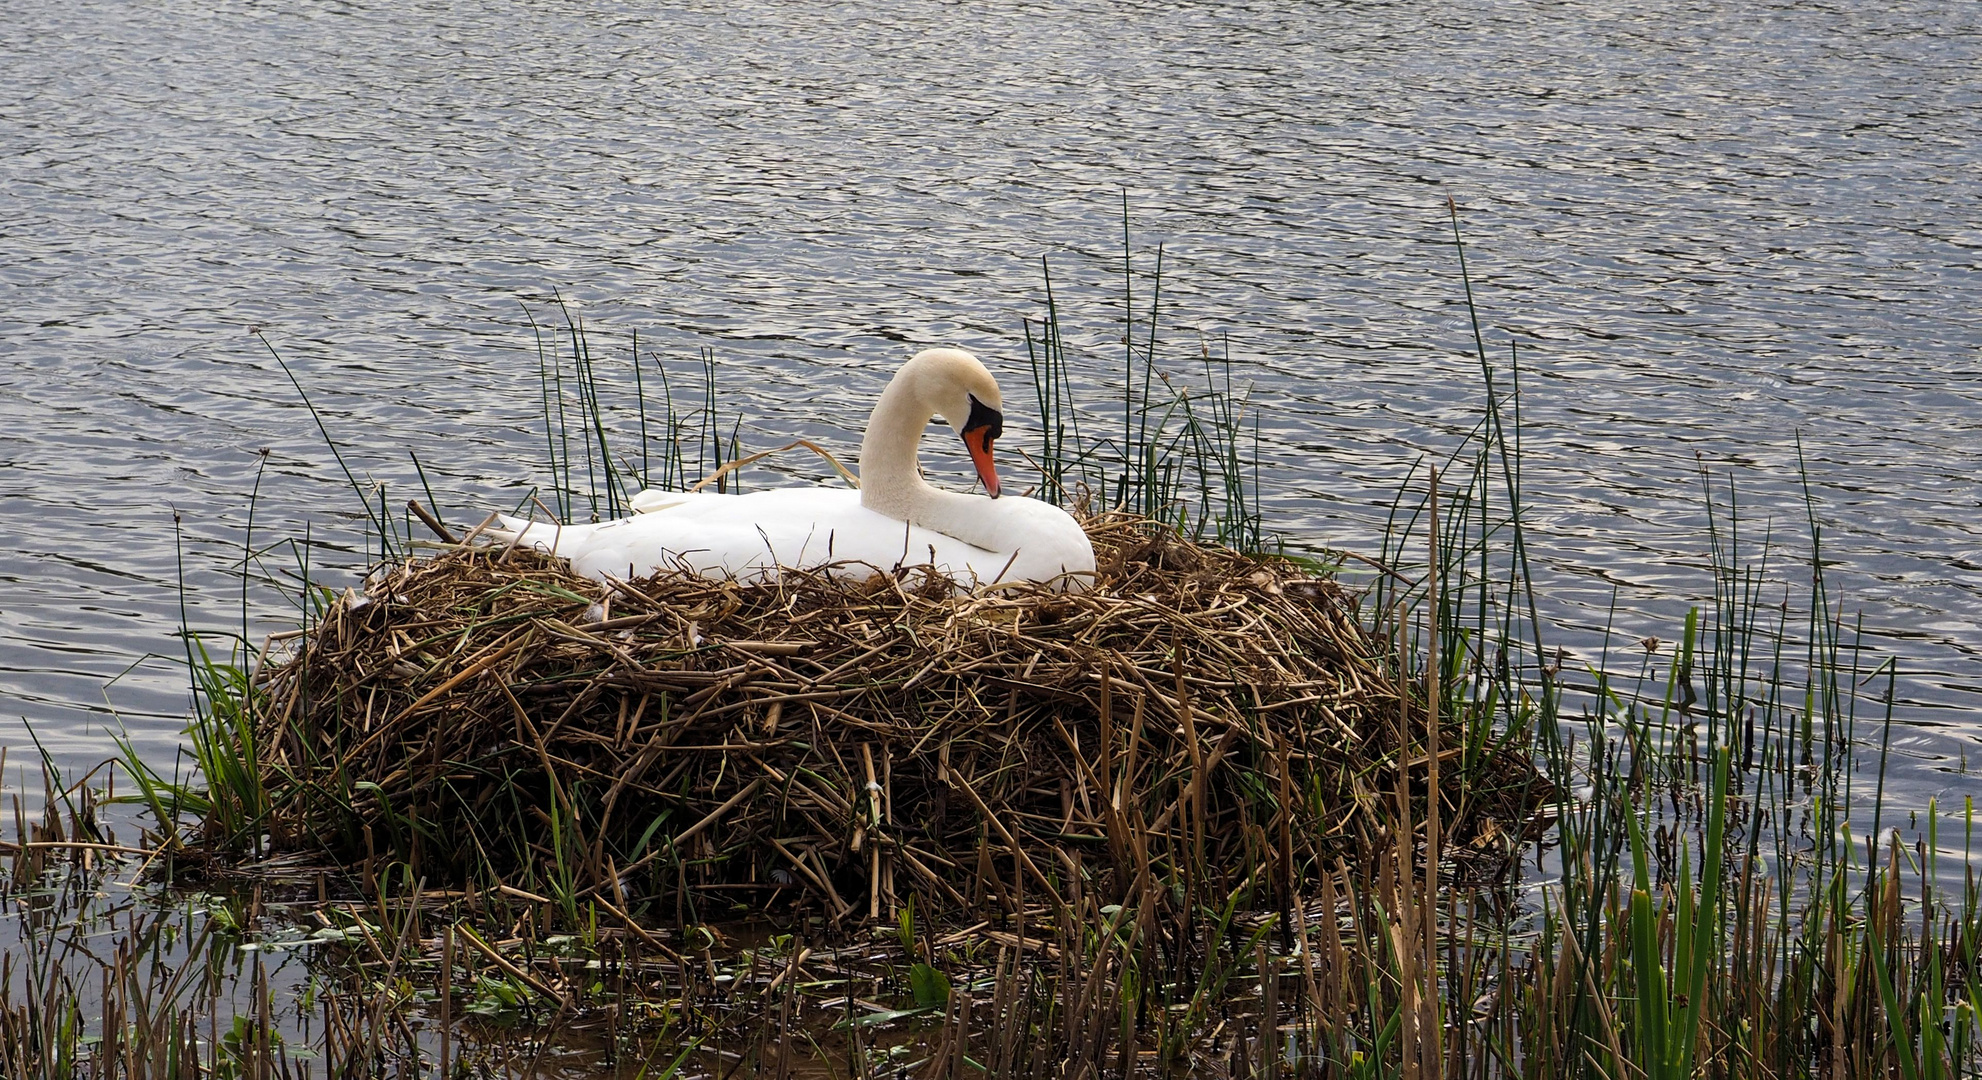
(1198, 725)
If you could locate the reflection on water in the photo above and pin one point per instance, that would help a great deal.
(1718, 234)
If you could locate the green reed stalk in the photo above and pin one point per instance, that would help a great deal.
(557, 444)
(1182, 457)
(378, 520)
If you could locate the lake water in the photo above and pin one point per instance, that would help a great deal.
(1713, 229)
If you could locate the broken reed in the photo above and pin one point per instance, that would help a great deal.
(106, 977)
(90, 986)
(1730, 929)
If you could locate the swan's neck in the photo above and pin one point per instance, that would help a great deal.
(891, 483)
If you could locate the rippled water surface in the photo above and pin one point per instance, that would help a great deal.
(1713, 229)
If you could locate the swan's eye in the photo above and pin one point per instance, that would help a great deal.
(984, 416)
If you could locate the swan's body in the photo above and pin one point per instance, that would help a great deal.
(895, 520)
(751, 536)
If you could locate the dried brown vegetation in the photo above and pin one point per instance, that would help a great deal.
(1199, 723)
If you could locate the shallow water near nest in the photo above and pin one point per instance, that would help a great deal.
(1711, 233)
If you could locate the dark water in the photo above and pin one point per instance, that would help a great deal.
(1714, 230)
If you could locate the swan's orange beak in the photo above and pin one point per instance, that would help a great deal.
(979, 442)
(984, 426)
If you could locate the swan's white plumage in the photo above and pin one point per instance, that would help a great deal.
(751, 536)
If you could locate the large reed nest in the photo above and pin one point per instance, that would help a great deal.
(1200, 725)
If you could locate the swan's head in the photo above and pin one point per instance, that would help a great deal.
(959, 389)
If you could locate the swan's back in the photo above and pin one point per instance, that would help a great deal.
(750, 537)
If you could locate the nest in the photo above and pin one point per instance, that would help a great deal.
(1199, 726)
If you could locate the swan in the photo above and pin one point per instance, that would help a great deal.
(896, 520)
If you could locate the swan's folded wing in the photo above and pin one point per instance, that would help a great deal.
(752, 536)
(650, 500)
(547, 537)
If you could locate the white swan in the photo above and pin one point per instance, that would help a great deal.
(895, 520)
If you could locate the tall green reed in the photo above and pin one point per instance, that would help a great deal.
(1706, 909)
(593, 474)
(1185, 455)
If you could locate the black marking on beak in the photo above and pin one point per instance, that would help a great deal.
(981, 416)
